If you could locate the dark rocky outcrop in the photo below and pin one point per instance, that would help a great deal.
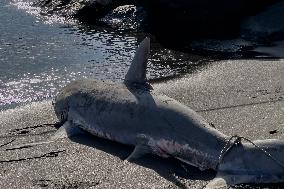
(85, 10)
(125, 18)
(177, 23)
(197, 17)
(266, 25)
(182, 20)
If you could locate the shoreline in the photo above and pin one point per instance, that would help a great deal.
(242, 97)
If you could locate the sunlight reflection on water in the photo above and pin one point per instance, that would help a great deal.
(39, 55)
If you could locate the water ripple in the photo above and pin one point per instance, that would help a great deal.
(37, 59)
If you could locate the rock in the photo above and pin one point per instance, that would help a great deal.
(127, 17)
(202, 18)
(84, 10)
(269, 24)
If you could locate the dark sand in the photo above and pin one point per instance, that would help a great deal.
(242, 97)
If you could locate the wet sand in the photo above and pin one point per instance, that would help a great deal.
(242, 97)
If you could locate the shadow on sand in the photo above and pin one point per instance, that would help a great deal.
(170, 168)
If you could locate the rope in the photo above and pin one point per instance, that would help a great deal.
(238, 139)
(228, 146)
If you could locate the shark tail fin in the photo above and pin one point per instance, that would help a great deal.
(137, 70)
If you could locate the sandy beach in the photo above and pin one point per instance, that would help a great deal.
(243, 97)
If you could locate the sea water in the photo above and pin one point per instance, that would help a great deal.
(39, 55)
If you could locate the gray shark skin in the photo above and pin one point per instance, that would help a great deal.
(128, 115)
(246, 163)
(131, 113)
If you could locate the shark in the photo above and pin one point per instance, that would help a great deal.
(130, 112)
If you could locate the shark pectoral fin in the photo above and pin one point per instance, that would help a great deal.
(140, 149)
(217, 183)
(138, 152)
(68, 129)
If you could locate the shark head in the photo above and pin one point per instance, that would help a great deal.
(61, 105)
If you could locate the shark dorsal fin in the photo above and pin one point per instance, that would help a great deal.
(137, 71)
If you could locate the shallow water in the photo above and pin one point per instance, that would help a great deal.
(39, 55)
